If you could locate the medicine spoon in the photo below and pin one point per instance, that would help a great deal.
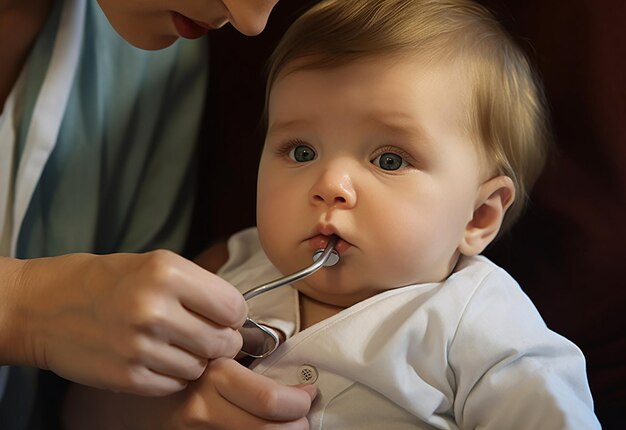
(260, 341)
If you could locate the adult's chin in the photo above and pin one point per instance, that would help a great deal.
(144, 36)
(153, 44)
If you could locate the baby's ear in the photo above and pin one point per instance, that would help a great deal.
(492, 200)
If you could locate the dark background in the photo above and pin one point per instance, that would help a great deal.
(567, 250)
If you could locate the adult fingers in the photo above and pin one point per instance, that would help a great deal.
(212, 297)
(173, 362)
(203, 338)
(146, 382)
(259, 395)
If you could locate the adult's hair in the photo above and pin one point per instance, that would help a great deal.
(507, 117)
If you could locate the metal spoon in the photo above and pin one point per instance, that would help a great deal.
(260, 341)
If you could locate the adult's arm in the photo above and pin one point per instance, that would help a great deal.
(137, 323)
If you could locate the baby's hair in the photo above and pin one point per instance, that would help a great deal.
(507, 118)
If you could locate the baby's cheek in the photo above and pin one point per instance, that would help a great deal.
(421, 253)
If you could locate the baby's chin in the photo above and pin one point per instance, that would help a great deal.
(335, 296)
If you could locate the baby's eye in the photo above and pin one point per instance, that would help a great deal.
(302, 153)
(390, 161)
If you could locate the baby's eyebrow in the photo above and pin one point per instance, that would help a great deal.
(395, 122)
(410, 133)
(286, 125)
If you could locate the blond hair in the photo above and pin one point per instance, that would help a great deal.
(508, 115)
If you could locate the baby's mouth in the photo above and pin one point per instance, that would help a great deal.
(329, 255)
(320, 241)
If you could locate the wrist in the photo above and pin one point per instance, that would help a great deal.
(13, 318)
(35, 293)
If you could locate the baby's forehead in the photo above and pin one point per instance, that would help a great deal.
(372, 87)
(383, 81)
(419, 60)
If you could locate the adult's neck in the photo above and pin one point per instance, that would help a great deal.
(20, 23)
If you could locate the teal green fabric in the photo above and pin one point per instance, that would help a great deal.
(121, 175)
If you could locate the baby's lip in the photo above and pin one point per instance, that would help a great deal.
(319, 241)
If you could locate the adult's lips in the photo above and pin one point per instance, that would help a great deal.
(188, 28)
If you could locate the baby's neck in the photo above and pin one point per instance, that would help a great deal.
(313, 311)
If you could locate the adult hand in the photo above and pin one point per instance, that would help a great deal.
(226, 396)
(138, 323)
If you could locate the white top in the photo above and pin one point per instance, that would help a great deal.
(469, 352)
(7, 156)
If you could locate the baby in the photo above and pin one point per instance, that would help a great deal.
(413, 130)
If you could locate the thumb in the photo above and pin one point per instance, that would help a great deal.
(310, 389)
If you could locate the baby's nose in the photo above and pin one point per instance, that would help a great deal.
(334, 189)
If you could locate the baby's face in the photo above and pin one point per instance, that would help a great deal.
(377, 152)
(150, 24)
